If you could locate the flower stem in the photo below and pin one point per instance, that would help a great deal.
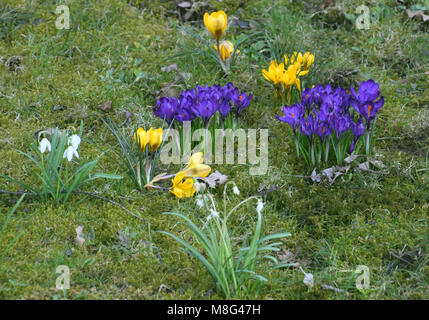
(326, 149)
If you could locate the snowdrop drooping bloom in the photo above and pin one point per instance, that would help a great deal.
(235, 190)
(74, 141)
(214, 213)
(70, 151)
(260, 206)
(44, 144)
(199, 201)
(199, 186)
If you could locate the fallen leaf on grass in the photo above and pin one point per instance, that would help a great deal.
(171, 67)
(216, 178)
(351, 158)
(79, 240)
(419, 13)
(331, 174)
(106, 106)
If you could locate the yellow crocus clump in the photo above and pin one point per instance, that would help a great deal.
(216, 23)
(285, 75)
(151, 137)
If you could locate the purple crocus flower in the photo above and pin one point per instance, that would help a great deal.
(358, 129)
(205, 109)
(165, 108)
(306, 126)
(368, 92)
(341, 125)
(323, 129)
(292, 114)
(226, 91)
(224, 108)
(365, 103)
(242, 102)
(307, 98)
(184, 113)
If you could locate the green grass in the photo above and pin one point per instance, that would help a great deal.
(63, 76)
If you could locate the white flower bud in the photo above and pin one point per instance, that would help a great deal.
(260, 206)
(235, 190)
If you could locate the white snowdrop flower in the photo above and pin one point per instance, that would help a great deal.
(70, 151)
(199, 186)
(214, 213)
(260, 206)
(199, 201)
(44, 144)
(235, 190)
(74, 141)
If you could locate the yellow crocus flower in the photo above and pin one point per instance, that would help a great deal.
(141, 137)
(182, 187)
(226, 49)
(216, 23)
(290, 76)
(155, 138)
(274, 73)
(307, 60)
(196, 168)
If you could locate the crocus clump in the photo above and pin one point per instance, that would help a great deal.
(328, 119)
(287, 74)
(204, 103)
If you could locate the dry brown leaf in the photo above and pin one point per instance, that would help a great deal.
(106, 106)
(216, 178)
(420, 13)
(79, 239)
(171, 67)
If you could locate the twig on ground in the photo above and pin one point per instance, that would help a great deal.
(328, 287)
